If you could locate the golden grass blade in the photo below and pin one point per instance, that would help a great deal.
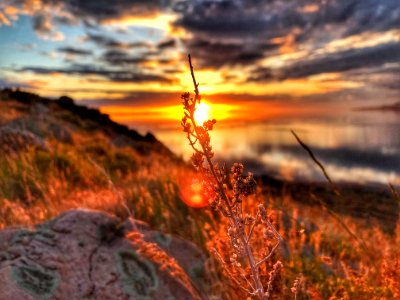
(319, 164)
(335, 190)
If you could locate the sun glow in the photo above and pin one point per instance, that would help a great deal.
(201, 113)
(170, 113)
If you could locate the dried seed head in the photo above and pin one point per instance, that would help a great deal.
(198, 159)
(268, 234)
(249, 219)
(263, 212)
(237, 169)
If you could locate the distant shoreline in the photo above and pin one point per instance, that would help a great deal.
(395, 107)
(372, 203)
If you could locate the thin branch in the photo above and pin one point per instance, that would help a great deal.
(224, 212)
(252, 227)
(247, 281)
(196, 85)
(335, 189)
(267, 223)
(269, 255)
(208, 158)
(319, 164)
(221, 260)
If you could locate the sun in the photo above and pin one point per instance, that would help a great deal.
(201, 113)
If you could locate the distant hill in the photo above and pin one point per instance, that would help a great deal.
(391, 107)
(64, 111)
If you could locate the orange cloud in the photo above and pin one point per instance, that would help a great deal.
(309, 8)
(290, 41)
(4, 20)
(11, 10)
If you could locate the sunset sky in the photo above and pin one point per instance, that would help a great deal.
(130, 57)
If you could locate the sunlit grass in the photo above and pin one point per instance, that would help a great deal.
(315, 244)
(37, 185)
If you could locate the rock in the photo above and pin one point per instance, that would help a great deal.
(187, 254)
(85, 254)
(43, 126)
(15, 140)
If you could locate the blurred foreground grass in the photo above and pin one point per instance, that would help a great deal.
(92, 170)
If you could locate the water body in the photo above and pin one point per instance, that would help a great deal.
(357, 146)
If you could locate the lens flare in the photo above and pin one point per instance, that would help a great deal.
(191, 194)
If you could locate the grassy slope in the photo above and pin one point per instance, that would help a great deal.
(93, 162)
(90, 161)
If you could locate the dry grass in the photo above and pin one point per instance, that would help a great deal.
(36, 185)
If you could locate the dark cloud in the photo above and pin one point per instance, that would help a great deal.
(102, 10)
(109, 42)
(6, 83)
(75, 51)
(244, 30)
(236, 32)
(167, 44)
(217, 54)
(255, 25)
(93, 10)
(277, 18)
(262, 74)
(128, 60)
(112, 75)
(68, 20)
(138, 98)
(334, 62)
(42, 24)
(347, 60)
(226, 18)
(227, 32)
(373, 15)
(386, 76)
(120, 58)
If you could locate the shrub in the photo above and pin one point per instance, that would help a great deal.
(226, 192)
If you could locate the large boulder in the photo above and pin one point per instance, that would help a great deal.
(86, 254)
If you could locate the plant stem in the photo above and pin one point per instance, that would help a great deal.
(234, 220)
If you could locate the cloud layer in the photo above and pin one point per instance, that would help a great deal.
(248, 41)
(88, 70)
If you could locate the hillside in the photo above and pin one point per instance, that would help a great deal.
(26, 110)
(57, 156)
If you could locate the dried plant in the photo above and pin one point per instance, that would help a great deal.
(226, 192)
(298, 286)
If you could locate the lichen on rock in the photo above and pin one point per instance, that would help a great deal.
(138, 274)
(85, 254)
(35, 280)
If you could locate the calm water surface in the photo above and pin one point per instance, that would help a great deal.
(355, 146)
